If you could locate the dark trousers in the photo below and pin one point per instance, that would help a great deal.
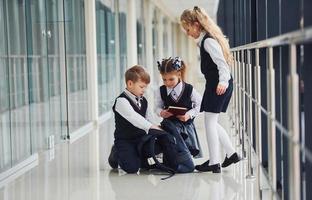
(132, 154)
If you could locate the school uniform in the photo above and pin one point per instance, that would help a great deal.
(131, 128)
(133, 134)
(216, 71)
(182, 95)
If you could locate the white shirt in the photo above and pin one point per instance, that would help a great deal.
(124, 108)
(214, 49)
(175, 94)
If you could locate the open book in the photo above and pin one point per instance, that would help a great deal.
(177, 110)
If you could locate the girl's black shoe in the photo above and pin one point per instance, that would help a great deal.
(228, 161)
(205, 167)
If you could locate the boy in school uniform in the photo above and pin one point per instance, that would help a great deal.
(132, 125)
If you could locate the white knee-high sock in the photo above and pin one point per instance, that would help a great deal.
(211, 121)
(215, 133)
(225, 141)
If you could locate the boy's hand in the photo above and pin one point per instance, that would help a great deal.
(165, 114)
(220, 89)
(184, 118)
(156, 127)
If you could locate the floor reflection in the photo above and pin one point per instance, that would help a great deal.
(193, 186)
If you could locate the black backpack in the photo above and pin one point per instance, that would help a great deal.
(176, 156)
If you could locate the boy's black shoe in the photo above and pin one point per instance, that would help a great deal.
(205, 167)
(228, 161)
(112, 159)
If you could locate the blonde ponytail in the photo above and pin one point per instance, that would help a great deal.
(199, 15)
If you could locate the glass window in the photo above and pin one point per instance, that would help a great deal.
(18, 80)
(123, 39)
(78, 101)
(165, 38)
(107, 70)
(5, 137)
(56, 66)
(38, 73)
(44, 71)
(140, 32)
(155, 46)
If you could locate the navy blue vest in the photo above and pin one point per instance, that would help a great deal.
(207, 66)
(123, 128)
(184, 99)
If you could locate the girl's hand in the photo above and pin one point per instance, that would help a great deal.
(184, 118)
(220, 89)
(165, 114)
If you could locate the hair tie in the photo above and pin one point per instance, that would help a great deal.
(196, 8)
(177, 63)
(158, 65)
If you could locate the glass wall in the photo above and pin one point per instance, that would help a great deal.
(30, 83)
(165, 38)
(122, 10)
(107, 70)
(140, 32)
(56, 65)
(5, 137)
(155, 46)
(78, 110)
(33, 86)
(44, 71)
(18, 112)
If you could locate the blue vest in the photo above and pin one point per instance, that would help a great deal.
(183, 101)
(124, 130)
(207, 66)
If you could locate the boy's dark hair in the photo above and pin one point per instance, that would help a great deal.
(169, 65)
(137, 73)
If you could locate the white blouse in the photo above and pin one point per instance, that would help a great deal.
(124, 108)
(175, 93)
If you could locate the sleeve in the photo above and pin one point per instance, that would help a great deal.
(215, 51)
(124, 108)
(159, 104)
(150, 116)
(196, 99)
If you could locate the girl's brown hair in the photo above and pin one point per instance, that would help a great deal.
(170, 65)
(137, 73)
(199, 15)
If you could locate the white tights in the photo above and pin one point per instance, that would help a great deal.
(215, 133)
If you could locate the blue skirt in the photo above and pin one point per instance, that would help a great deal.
(216, 103)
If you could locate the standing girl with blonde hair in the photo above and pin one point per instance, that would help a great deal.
(215, 60)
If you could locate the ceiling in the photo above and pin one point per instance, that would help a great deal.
(175, 7)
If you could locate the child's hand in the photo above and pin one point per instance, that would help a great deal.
(165, 114)
(220, 89)
(184, 118)
(156, 127)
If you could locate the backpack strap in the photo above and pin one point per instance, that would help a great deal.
(158, 164)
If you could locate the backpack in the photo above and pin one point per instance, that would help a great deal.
(176, 156)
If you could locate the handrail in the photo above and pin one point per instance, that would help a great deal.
(294, 37)
(248, 95)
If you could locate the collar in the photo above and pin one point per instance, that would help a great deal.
(133, 97)
(177, 89)
(200, 38)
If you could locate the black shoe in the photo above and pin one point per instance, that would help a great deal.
(228, 161)
(205, 167)
(112, 159)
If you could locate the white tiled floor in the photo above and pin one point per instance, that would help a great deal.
(68, 177)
